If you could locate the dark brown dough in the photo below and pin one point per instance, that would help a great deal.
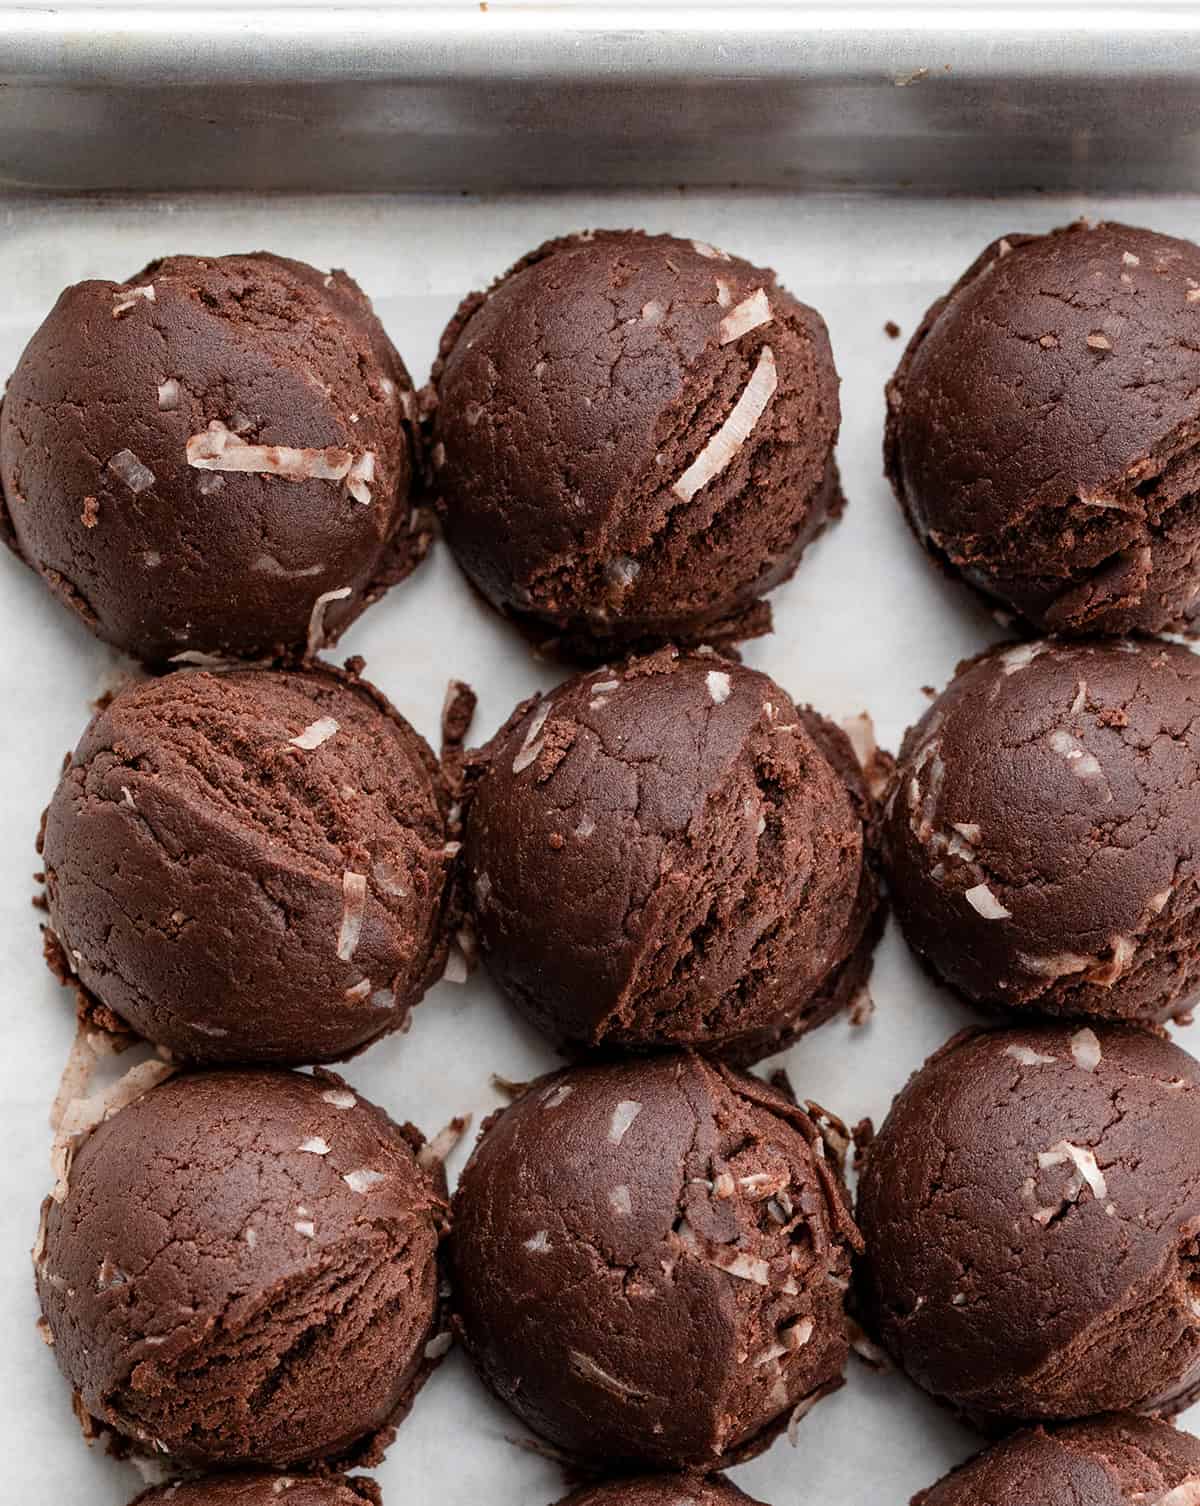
(196, 865)
(1041, 431)
(265, 1490)
(244, 1271)
(161, 558)
(571, 400)
(649, 1262)
(670, 853)
(1031, 1212)
(1042, 836)
(1112, 1461)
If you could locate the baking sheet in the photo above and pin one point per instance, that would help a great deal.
(864, 625)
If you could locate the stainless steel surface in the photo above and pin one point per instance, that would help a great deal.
(455, 96)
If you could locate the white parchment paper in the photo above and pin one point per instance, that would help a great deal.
(864, 625)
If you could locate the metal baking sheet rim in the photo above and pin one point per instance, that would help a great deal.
(393, 98)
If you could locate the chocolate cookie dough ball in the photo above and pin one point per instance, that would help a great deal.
(660, 1490)
(1113, 1461)
(649, 1262)
(669, 852)
(1031, 1212)
(243, 1271)
(248, 866)
(214, 457)
(266, 1490)
(1042, 427)
(633, 440)
(1042, 835)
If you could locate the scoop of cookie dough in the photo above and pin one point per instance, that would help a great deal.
(1031, 1212)
(1041, 833)
(633, 440)
(242, 1271)
(1041, 431)
(669, 852)
(649, 1262)
(266, 1490)
(249, 866)
(1112, 1461)
(660, 1490)
(214, 457)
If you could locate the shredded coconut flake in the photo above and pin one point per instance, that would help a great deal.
(1085, 1049)
(619, 1201)
(586, 826)
(1186, 1493)
(220, 448)
(622, 1117)
(968, 830)
(340, 1098)
(78, 1071)
(724, 296)
(360, 475)
(128, 298)
(316, 619)
(362, 1180)
(719, 686)
(434, 1153)
(315, 734)
(1056, 965)
(456, 969)
(306, 1227)
(1098, 341)
(799, 1412)
(587, 1369)
(556, 1095)
(168, 395)
(539, 1243)
(126, 467)
(1084, 1160)
(439, 1345)
(357, 991)
(80, 1116)
(1022, 656)
(984, 902)
(702, 248)
(1028, 1057)
(354, 907)
(748, 315)
(390, 877)
(1084, 765)
(733, 433)
(1106, 973)
(315, 1146)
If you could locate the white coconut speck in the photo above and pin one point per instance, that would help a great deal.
(622, 1117)
(1028, 1057)
(314, 734)
(984, 902)
(362, 1179)
(340, 1098)
(315, 1146)
(719, 686)
(1085, 1049)
(619, 1201)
